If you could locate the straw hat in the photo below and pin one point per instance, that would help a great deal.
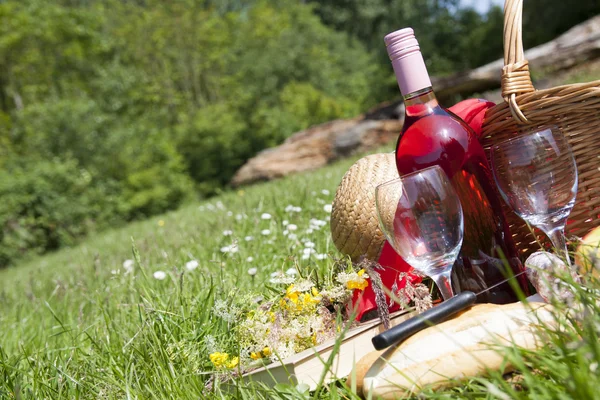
(354, 224)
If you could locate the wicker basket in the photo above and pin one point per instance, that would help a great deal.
(575, 109)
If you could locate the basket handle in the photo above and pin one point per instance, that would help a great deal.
(516, 78)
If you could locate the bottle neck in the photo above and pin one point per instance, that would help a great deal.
(421, 102)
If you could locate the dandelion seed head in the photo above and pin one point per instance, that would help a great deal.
(252, 271)
(128, 266)
(191, 265)
(159, 275)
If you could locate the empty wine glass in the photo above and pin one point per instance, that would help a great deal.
(537, 176)
(421, 217)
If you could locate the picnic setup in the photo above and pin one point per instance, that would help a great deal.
(316, 199)
(464, 239)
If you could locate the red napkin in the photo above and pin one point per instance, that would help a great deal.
(472, 111)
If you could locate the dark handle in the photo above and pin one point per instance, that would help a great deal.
(435, 315)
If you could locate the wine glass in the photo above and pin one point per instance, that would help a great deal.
(421, 217)
(537, 176)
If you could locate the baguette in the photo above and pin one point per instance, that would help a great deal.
(456, 349)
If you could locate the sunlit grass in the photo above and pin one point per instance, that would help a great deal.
(86, 323)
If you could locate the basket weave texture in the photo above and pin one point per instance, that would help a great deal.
(354, 224)
(574, 108)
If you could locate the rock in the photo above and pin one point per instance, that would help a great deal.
(318, 146)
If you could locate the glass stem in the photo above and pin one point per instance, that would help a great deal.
(557, 237)
(444, 284)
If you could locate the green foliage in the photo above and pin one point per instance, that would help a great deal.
(160, 100)
(46, 205)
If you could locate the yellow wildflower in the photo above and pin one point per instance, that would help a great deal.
(315, 292)
(267, 352)
(218, 359)
(359, 282)
(255, 355)
(292, 294)
(161, 222)
(233, 362)
(361, 285)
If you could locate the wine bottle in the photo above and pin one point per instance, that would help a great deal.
(432, 135)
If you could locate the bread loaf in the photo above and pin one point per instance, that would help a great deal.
(458, 348)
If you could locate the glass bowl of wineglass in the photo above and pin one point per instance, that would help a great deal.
(536, 174)
(421, 217)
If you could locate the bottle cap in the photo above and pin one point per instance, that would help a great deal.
(407, 60)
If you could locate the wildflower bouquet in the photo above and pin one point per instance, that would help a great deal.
(301, 313)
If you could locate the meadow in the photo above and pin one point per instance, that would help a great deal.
(130, 313)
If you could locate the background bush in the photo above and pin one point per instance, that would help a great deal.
(112, 111)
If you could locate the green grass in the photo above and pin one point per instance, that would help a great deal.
(74, 325)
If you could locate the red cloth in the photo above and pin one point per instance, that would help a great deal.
(472, 111)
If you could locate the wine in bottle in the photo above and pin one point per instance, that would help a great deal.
(432, 135)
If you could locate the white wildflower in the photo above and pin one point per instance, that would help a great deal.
(320, 256)
(252, 271)
(210, 344)
(285, 222)
(220, 205)
(232, 248)
(303, 285)
(325, 192)
(227, 232)
(160, 275)
(115, 272)
(305, 256)
(308, 250)
(238, 217)
(285, 232)
(223, 311)
(309, 231)
(292, 227)
(250, 259)
(248, 238)
(309, 244)
(265, 232)
(327, 208)
(265, 216)
(291, 271)
(128, 266)
(191, 265)
(292, 236)
(229, 213)
(281, 278)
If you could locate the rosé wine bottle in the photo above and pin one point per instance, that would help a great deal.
(432, 135)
